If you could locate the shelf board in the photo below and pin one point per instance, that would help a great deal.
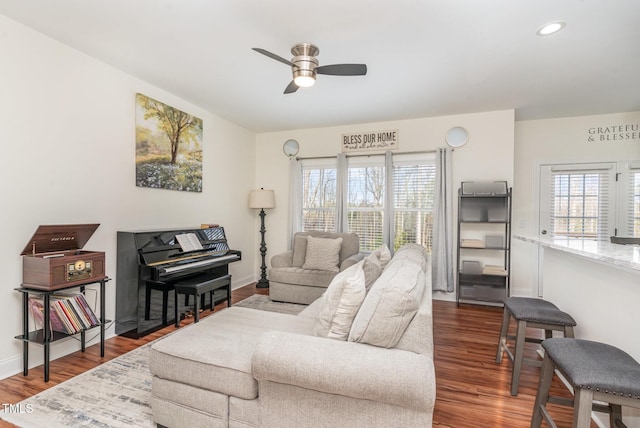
(37, 336)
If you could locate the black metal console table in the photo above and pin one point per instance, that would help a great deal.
(46, 336)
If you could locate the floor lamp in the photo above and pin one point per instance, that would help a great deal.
(262, 199)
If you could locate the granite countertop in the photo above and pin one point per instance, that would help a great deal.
(625, 256)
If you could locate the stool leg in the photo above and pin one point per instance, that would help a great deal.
(582, 408)
(615, 416)
(542, 396)
(175, 308)
(568, 331)
(197, 311)
(518, 356)
(502, 343)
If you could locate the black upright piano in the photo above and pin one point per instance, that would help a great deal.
(149, 263)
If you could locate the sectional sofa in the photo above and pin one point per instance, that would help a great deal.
(359, 356)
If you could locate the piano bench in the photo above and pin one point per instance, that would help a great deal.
(197, 287)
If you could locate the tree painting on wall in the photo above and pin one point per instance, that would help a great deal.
(168, 147)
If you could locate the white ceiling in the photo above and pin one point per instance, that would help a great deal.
(425, 57)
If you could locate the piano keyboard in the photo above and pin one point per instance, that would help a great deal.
(178, 268)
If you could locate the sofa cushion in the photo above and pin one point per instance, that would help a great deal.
(322, 254)
(299, 250)
(215, 353)
(415, 253)
(372, 270)
(340, 303)
(299, 276)
(390, 305)
(350, 244)
(383, 254)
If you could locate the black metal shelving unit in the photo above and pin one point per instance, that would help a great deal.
(46, 336)
(484, 234)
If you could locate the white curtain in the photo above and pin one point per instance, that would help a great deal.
(442, 248)
(295, 200)
(387, 226)
(341, 193)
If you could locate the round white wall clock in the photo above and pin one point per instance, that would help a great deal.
(291, 148)
(457, 136)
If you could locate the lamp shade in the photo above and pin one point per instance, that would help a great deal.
(262, 199)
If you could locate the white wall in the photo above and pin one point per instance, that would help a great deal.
(555, 140)
(487, 156)
(68, 156)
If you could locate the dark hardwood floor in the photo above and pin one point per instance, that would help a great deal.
(471, 389)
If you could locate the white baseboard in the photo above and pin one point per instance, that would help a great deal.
(13, 365)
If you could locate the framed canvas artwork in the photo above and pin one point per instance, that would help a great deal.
(168, 147)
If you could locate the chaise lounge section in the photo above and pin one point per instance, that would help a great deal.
(244, 367)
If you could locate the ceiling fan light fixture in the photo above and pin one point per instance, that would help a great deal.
(304, 81)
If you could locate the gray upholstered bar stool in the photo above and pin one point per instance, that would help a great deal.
(533, 313)
(596, 371)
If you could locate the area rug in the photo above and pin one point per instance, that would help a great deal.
(114, 394)
(259, 301)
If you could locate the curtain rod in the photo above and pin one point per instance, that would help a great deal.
(419, 152)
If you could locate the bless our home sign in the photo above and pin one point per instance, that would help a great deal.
(372, 140)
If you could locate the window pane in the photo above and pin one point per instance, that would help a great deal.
(368, 226)
(635, 195)
(413, 227)
(365, 205)
(413, 192)
(324, 220)
(366, 187)
(579, 205)
(319, 199)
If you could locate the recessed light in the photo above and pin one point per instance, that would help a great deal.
(550, 28)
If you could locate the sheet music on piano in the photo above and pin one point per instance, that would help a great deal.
(189, 242)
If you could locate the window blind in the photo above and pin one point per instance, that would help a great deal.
(580, 201)
(413, 193)
(319, 196)
(365, 200)
(632, 213)
(372, 195)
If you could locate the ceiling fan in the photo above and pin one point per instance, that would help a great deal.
(305, 66)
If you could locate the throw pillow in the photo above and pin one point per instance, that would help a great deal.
(299, 250)
(372, 270)
(322, 254)
(383, 254)
(390, 305)
(340, 303)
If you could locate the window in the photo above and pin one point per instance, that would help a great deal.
(634, 213)
(413, 193)
(590, 201)
(319, 197)
(373, 199)
(629, 183)
(365, 200)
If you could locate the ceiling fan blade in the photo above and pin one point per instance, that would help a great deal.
(273, 56)
(343, 69)
(291, 88)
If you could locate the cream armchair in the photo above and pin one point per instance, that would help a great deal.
(301, 276)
